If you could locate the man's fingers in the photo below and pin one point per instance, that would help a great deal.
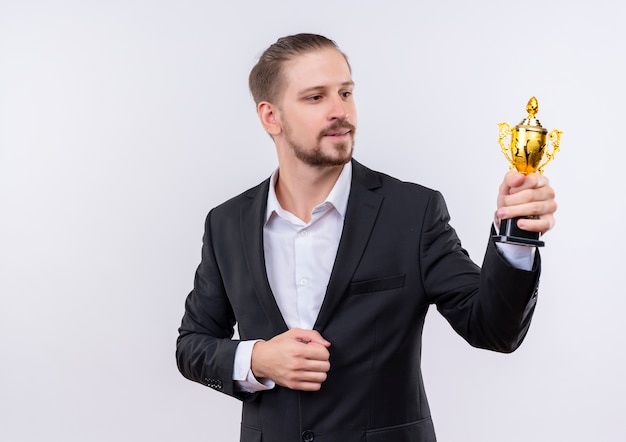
(297, 359)
(541, 225)
(307, 336)
(306, 386)
(529, 196)
(521, 182)
(305, 374)
(512, 179)
(535, 203)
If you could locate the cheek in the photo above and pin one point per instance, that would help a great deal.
(304, 129)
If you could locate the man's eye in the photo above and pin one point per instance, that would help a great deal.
(315, 98)
(346, 94)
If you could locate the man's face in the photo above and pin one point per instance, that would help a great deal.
(316, 110)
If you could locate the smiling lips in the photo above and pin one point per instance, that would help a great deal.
(337, 134)
(338, 129)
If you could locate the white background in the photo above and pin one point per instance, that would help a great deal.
(123, 122)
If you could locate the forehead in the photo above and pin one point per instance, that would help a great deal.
(321, 68)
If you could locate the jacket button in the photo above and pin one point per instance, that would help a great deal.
(308, 436)
(214, 383)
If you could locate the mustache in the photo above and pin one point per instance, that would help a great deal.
(335, 126)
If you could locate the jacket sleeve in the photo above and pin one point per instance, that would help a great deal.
(205, 350)
(490, 307)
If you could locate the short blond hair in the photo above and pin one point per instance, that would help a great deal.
(266, 78)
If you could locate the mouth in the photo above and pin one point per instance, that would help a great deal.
(340, 133)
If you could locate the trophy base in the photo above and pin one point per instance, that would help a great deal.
(511, 234)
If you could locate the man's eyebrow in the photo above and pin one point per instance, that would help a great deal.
(321, 87)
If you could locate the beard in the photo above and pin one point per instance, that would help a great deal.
(342, 151)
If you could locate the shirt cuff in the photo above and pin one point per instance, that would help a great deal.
(242, 373)
(520, 257)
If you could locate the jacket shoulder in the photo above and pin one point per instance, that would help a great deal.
(234, 203)
(388, 185)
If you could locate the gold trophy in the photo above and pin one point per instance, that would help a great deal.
(528, 154)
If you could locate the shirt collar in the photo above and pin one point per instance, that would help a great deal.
(338, 195)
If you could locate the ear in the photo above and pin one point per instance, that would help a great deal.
(268, 114)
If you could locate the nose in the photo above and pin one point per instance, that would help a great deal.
(339, 109)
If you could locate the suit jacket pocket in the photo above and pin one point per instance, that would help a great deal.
(250, 434)
(377, 285)
(421, 430)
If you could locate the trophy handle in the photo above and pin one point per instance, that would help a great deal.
(554, 140)
(505, 131)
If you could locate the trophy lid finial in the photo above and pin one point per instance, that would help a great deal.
(532, 107)
(531, 120)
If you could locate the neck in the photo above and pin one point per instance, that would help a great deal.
(300, 188)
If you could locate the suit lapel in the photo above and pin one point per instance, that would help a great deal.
(252, 219)
(361, 213)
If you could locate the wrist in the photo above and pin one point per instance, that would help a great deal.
(256, 360)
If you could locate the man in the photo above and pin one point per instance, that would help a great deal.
(328, 269)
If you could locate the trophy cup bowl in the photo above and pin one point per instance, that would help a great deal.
(530, 149)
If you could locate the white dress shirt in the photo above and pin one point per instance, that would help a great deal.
(299, 258)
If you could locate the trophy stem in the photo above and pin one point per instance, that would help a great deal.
(511, 234)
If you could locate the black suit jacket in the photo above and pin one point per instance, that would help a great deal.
(397, 256)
